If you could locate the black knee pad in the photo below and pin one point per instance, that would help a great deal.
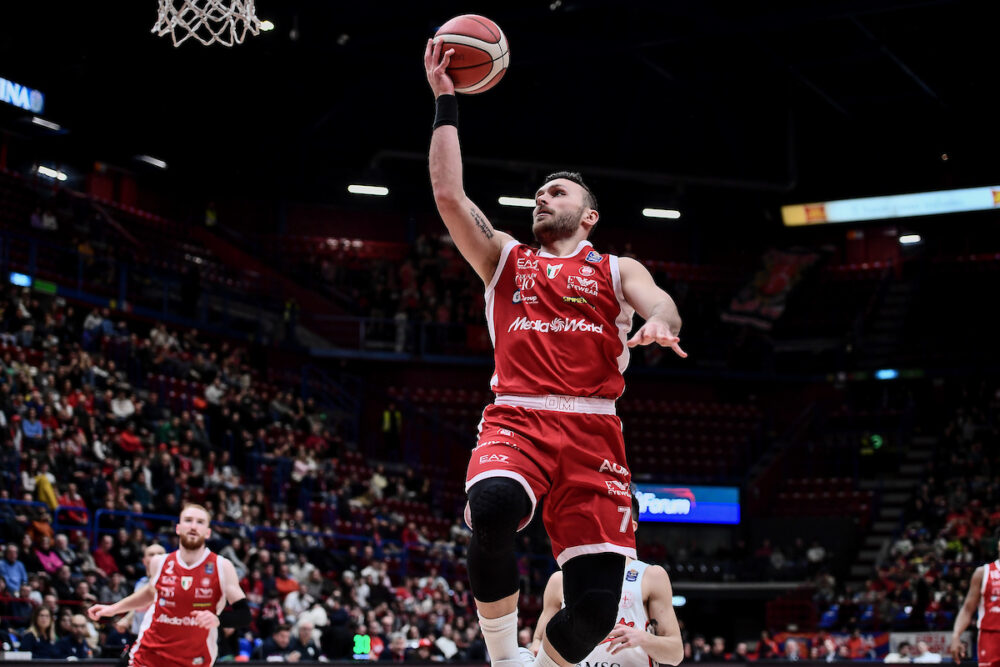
(496, 507)
(592, 588)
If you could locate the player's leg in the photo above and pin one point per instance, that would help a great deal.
(503, 484)
(497, 505)
(592, 587)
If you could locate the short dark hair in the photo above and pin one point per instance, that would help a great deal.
(578, 179)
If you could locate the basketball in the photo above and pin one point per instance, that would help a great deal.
(481, 53)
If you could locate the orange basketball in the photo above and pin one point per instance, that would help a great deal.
(481, 53)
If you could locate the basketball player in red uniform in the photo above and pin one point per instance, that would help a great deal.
(186, 593)
(559, 317)
(984, 593)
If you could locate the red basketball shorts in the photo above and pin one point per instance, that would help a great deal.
(988, 648)
(570, 451)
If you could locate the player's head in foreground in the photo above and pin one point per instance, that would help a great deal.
(194, 527)
(564, 206)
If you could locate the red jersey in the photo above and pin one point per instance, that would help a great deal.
(168, 635)
(989, 599)
(558, 324)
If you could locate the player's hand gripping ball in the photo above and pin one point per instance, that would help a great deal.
(481, 54)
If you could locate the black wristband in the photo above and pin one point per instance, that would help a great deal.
(237, 617)
(445, 111)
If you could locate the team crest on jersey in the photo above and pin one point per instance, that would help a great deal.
(631, 575)
(186, 582)
(552, 270)
(586, 270)
(595, 257)
(628, 599)
(209, 568)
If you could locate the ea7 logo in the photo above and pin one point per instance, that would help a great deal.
(529, 264)
(611, 466)
(493, 458)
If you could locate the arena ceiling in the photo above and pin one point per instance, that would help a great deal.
(766, 101)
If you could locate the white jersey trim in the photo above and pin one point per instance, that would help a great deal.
(580, 246)
(509, 474)
(624, 319)
(490, 292)
(559, 403)
(604, 547)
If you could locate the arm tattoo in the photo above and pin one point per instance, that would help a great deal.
(484, 226)
(654, 626)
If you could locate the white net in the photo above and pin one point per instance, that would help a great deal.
(225, 22)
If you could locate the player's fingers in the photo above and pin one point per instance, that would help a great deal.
(678, 351)
(446, 59)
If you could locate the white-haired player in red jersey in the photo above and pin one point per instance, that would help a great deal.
(186, 594)
(559, 316)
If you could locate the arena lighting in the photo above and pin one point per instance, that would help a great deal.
(679, 601)
(149, 159)
(661, 213)
(523, 202)
(20, 279)
(886, 374)
(49, 172)
(376, 190)
(909, 239)
(892, 206)
(266, 26)
(48, 124)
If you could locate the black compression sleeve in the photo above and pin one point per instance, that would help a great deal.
(236, 617)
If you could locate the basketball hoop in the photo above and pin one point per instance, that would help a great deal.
(226, 22)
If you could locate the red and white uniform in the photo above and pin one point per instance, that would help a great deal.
(168, 635)
(989, 616)
(559, 326)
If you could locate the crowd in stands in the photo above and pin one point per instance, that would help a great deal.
(90, 423)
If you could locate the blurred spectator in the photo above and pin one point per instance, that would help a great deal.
(793, 650)
(396, 650)
(278, 645)
(901, 654)
(40, 638)
(12, 569)
(304, 644)
(75, 644)
(924, 654)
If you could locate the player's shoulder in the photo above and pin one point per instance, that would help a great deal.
(655, 577)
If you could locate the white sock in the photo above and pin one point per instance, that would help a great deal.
(543, 659)
(500, 635)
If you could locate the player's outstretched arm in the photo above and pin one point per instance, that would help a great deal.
(965, 614)
(141, 599)
(663, 644)
(473, 234)
(663, 322)
(551, 604)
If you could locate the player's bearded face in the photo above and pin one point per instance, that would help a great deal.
(557, 226)
(192, 542)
